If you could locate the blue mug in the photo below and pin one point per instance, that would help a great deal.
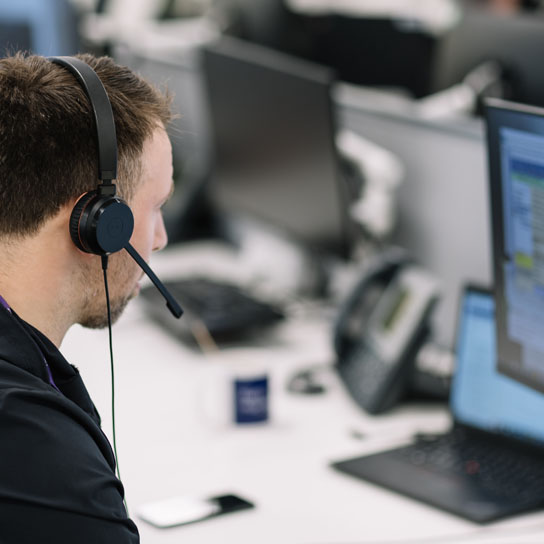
(250, 399)
(237, 388)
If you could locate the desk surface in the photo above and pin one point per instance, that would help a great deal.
(168, 444)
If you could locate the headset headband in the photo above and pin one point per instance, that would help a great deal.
(103, 115)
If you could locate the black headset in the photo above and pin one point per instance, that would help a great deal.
(102, 223)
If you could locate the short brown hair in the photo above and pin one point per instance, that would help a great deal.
(48, 152)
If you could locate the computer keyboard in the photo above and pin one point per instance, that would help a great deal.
(496, 467)
(227, 310)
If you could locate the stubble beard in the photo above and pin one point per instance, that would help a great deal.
(100, 320)
(94, 314)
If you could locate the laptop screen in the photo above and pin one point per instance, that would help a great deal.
(482, 397)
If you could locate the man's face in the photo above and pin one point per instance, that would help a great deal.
(149, 235)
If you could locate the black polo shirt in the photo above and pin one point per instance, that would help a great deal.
(57, 469)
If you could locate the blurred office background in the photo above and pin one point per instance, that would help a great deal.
(406, 82)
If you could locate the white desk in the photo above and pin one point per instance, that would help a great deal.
(168, 446)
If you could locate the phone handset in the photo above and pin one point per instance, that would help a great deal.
(377, 340)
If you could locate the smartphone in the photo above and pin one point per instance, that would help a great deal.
(185, 509)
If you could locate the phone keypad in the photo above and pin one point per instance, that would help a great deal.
(365, 374)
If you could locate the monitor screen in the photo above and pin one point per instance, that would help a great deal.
(516, 172)
(273, 132)
(481, 396)
(43, 27)
(15, 37)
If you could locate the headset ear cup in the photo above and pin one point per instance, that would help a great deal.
(113, 224)
(75, 219)
(101, 224)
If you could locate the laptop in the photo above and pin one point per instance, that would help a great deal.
(490, 464)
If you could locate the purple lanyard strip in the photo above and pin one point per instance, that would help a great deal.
(50, 376)
(4, 304)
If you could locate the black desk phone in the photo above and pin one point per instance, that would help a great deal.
(381, 327)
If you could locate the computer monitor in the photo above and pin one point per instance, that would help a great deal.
(176, 70)
(273, 141)
(14, 37)
(187, 215)
(512, 40)
(43, 27)
(515, 138)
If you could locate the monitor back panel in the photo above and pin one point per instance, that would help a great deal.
(273, 139)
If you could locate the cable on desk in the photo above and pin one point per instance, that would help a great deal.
(202, 335)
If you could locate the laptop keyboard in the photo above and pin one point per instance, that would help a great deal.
(501, 470)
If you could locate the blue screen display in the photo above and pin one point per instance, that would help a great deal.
(45, 27)
(481, 396)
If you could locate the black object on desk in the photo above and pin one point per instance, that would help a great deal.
(227, 310)
(491, 464)
(186, 509)
(381, 328)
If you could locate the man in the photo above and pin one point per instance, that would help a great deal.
(57, 481)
